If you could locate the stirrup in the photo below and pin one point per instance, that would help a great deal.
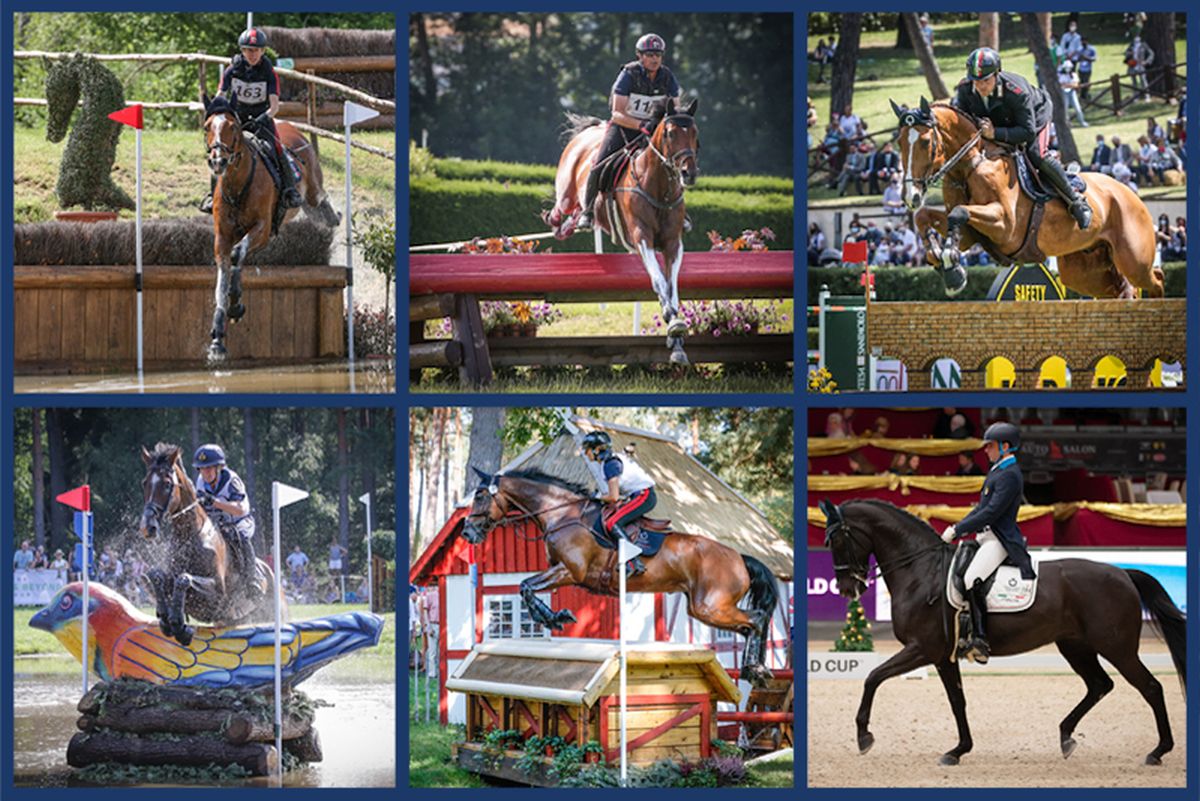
(584, 221)
(206, 205)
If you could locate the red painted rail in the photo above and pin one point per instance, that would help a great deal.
(755, 717)
(578, 277)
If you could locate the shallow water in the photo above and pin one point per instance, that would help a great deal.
(358, 732)
(368, 377)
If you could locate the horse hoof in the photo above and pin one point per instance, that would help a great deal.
(948, 760)
(184, 635)
(677, 328)
(679, 357)
(1068, 747)
(1151, 759)
(217, 352)
(865, 742)
(236, 312)
(955, 278)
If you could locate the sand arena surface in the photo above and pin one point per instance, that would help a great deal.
(1014, 723)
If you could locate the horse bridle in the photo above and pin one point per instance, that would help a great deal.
(160, 510)
(523, 514)
(864, 575)
(912, 121)
(670, 165)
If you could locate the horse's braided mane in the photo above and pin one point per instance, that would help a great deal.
(534, 474)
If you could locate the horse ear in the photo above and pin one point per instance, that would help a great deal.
(206, 100)
(484, 478)
(829, 509)
(174, 453)
(691, 109)
(899, 112)
(925, 106)
(670, 106)
(147, 457)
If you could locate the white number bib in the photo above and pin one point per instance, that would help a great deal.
(251, 93)
(642, 106)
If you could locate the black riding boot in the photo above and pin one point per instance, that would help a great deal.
(635, 566)
(291, 195)
(1053, 171)
(979, 642)
(248, 565)
(206, 205)
(584, 222)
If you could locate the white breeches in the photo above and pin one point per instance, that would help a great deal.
(990, 556)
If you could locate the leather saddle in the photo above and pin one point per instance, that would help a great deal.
(266, 153)
(647, 533)
(1006, 590)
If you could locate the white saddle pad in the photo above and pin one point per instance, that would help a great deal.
(1009, 592)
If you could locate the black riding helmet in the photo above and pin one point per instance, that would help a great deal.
(253, 37)
(983, 62)
(597, 439)
(1003, 432)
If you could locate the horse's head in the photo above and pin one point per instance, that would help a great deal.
(850, 553)
(679, 140)
(62, 96)
(932, 138)
(222, 134)
(161, 488)
(487, 508)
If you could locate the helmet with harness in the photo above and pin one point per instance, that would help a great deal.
(208, 456)
(253, 37)
(984, 62)
(1002, 432)
(651, 43)
(597, 440)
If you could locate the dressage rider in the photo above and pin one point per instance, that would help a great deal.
(223, 495)
(251, 79)
(994, 519)
(628, 489)
(1017, 114)
(641, 89)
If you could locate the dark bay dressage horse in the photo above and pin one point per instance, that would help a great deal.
(641, 205)
(199, 578)
(939, 143)
(246, 202)
(1087, 609)
(714, 577)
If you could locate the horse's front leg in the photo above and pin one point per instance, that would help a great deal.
(909, 658)
(253, 241)
(952, 682)
(180, 630)
(556, 576)
(157, 579)
(216, 348)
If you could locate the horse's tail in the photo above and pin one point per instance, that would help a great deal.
(1171, 621)
(577, 124)
(764, 595)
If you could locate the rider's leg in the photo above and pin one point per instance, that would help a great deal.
(615, 138)
(979, 638)
(291, 195)
(637, 505)
(1050, 168)
(206, 205)
(991, 555)
(247, 561)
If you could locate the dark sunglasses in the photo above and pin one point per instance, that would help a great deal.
(658, 53)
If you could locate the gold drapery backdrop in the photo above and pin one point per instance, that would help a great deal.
(1163, 515)
(820, 446)
(894, 483)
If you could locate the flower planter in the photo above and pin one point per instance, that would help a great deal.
(592, 757)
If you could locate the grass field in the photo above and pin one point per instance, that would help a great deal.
(175, 176)
(886, 73)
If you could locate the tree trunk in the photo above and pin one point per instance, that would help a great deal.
(989, 30)
(194, 420)
(38, 479)
(60, 516)
(417, 449)
(1035, 33)
(905, 38)
(845, 61)
(1046, 23)
(929, 65)
(424, 62)
(1159, 35)
(250, 449)
(486, 448)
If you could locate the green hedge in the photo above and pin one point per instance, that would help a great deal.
(449, 211)
(514, 173)
(910, 283)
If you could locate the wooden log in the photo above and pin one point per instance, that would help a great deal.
(438, 353)
(248, 728)
(603, 351)
(131, 694)
(378, 151)
(430, 307)
(86, 749)
(345, 64)
(144, 720)
(476, 369)
(384, 122)
(306, 747)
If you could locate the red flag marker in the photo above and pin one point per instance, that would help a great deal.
(854, 252)
(79, 498)
(130, 115)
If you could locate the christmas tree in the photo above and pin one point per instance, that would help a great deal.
(856, 634)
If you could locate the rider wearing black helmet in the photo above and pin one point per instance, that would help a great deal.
(251, 80)
(627, 488)
(994, 519)
(223, 496)
(1018, 114)
(640, 91)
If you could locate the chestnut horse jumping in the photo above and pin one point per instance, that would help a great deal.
(1114, 257)
(714, 577)
(198, 556)
(644, 211)
(244, 203)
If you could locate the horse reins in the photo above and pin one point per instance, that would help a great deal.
(235, 155)
(525, 514)
(936, 178)
(880, 567)
(670, 165)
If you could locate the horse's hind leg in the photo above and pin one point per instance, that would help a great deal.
(1138, 269)
(1136, 673)
(556, 576)
(1092, 272)
(951, 678)
(1083, 661)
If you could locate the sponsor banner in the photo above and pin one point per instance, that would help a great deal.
(824, 603)
(36, 587)
(1106, 452)
(849, 665)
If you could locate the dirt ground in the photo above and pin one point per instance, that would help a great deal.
(1014, 722)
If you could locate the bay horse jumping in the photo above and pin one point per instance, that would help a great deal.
(198, 558)
(1114, 257)
(245, 203)
(714, 577)
(1088, 609)
(644, 210)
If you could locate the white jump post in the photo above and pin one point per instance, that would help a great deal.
(365, 500)
(626, 551)
(80, 499)
(281, 495)
(352, 114)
